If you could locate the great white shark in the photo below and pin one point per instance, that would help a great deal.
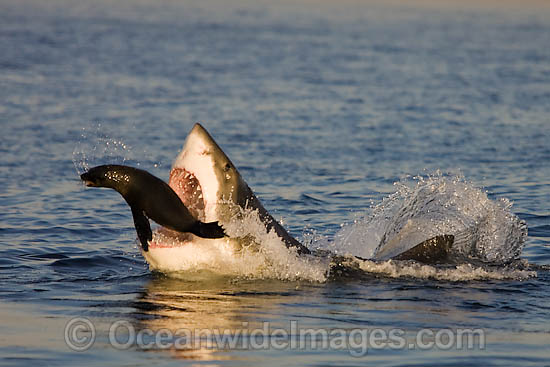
(213, 194)
(213, 190)
(209, 184)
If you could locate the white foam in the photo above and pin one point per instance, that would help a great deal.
(457, 273)
(278, 261)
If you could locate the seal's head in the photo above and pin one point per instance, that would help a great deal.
(112, 176)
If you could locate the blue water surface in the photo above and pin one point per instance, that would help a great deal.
(322, 106)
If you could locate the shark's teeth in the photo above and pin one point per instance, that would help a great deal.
(189, 190)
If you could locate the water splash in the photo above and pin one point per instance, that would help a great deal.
(454, 273)
(96, 147)
(485, 230)
(278, 261)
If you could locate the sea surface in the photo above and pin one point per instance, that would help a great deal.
(336, 113)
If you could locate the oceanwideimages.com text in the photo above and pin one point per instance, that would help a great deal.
(80, 335)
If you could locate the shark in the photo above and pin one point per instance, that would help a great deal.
(211, 187)
(206, 192)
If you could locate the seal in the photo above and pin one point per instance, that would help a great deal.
(149, 198)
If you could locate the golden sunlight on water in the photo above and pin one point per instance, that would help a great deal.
(24, 327)
(204, 309)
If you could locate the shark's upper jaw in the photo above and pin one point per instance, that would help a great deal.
(189, 190)
(195, 178)
(195, 174)
(210, 186)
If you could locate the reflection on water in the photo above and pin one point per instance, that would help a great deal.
(201, 310)
(218, 303)
(178, 311)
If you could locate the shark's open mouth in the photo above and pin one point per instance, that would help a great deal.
(189, 190)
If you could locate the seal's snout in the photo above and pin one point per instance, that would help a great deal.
(88, 180)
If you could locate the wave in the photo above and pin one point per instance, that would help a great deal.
(410, 269)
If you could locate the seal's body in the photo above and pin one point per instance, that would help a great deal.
(149, 197)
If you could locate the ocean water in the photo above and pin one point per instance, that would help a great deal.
(338, 115)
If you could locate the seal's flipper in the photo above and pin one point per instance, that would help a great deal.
(433, 250)
(210, 230)
(149, 198)
(143, 228)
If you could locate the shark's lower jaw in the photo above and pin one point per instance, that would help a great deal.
(166, 238)
(189, 190)
(192, 254)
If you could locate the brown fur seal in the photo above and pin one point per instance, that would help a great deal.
(149, 197)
